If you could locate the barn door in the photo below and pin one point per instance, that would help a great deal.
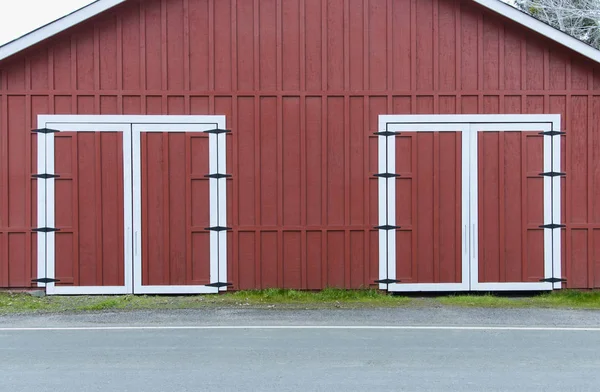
(128, 205)
(84, 204)
(179, 208)
(511, 202)
(466, 203)
(424, 186)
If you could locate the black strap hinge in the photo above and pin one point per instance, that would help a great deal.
(552, 174)
(386, 133)
(45, 176)
(387, 227)
(45, 130)
(217, 228)
(217, 131)
(45, 280)
(217, 175)
(219, 284)
(387, 175)
(387, 281)
(552, 226)
(552, 280)
(45, 229)
(552, 133)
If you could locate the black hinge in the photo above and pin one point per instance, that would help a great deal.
(217, 131)
(217, 175)
(45, 176)
(387, 281)
(45, 280)
(553, 280)
(386, 175)
(219, 284)
(387, 227)
(45, 229)
(45, 130)
(552, 226)
(217, 228)
(386, 133)
(552, 133)
(553, 174)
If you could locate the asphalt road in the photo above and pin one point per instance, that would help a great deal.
(253, 350)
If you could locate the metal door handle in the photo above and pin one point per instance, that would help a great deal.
(465, 239)
(473, 239)
(136, 242)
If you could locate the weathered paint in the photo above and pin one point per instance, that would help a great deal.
(302, 83)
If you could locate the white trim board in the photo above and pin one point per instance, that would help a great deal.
(469, 126)
(100, 6)
(130, 127)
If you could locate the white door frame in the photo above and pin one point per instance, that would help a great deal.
(46, 204)
(469, 125)
(218, 217)
(387, 216)
(125, 124)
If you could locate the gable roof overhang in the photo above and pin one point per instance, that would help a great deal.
(100, 6)
(58, 26)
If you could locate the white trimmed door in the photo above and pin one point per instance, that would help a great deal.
(508, 188)
(179, 208)
(107, 198)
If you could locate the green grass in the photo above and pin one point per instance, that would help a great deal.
(282, 296)
(270, 298)
(559, 299)
(291, 299)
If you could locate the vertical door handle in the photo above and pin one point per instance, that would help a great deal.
(473, 239)
(465, 239)
(136, 242)
(128, 238)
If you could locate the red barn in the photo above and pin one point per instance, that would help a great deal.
(191, 146)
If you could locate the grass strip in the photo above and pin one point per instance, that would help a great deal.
(291, 299)
(558, 299)
(269, 298)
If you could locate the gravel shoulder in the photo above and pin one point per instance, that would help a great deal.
(412, 316)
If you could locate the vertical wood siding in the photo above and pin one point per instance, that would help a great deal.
(175, 209)
(429, 207)
(511, 243)
(302, 83)
(89, 209)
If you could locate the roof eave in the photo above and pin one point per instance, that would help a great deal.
(542, 28)
(59, 25)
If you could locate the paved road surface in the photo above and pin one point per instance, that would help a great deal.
(394, 350)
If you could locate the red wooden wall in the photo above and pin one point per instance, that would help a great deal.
(175, 209)
(429, 207)
(89, 209)
(302, 83)
(511, 211)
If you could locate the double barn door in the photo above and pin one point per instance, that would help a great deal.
(469, 203)
(131, 204)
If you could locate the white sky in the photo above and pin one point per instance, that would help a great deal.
(18, 17)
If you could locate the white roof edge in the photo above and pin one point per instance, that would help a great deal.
(542, 28)
(99, 6)
(56, 27)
